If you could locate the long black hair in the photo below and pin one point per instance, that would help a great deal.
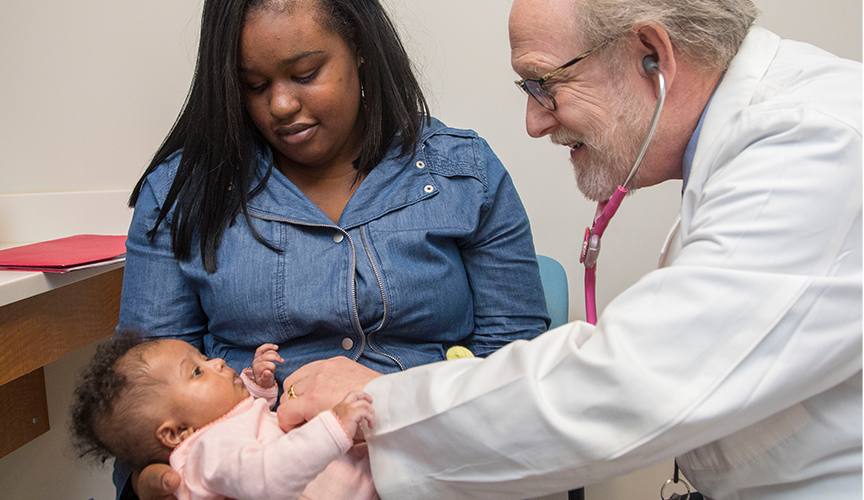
(220, 143)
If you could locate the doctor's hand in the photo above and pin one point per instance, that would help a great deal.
(156, 482)
(319, 386)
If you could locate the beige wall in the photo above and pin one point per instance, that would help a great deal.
(89, 90)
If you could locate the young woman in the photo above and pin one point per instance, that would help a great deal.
(305, 198)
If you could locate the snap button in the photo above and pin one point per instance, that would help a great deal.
(420, 164)
(338, 237)
(429, 188)
(347, 343)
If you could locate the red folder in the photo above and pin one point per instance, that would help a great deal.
(65, 254)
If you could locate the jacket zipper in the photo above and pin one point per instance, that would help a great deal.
(353, 273)
(383, 300)
(359, 328)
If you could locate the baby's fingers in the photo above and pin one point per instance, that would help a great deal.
(268, 352)
(357, 396)
(361, 410)
(266, 379)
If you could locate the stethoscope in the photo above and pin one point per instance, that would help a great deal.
(607, 209)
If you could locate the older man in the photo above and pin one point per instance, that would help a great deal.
(742, 355)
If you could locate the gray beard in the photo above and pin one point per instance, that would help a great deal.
(612, 150)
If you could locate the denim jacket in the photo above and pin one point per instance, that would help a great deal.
(433, 250)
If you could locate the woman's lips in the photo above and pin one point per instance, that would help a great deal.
(295, 133)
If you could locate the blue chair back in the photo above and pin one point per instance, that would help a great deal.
(554, 280)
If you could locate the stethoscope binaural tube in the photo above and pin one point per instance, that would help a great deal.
(607, 209)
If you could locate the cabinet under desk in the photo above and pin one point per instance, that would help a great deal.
(42, 318)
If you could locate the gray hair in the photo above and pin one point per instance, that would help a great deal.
(707, 32)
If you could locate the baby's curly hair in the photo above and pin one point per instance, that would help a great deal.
(110, 411)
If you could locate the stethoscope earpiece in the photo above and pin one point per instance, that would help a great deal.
(649, 63)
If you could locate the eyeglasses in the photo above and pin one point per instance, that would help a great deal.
(536, 87)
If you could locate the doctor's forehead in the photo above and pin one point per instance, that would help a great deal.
(542, 35)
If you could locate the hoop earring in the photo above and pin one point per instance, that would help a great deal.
(360, 76)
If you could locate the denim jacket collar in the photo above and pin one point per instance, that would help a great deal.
(280, 199)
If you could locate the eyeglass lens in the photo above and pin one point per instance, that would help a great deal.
(538, 92)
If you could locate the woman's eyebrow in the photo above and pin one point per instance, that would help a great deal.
(286, 62)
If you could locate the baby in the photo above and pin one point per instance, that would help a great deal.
(164, 401)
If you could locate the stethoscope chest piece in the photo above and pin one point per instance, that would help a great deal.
(590, 248)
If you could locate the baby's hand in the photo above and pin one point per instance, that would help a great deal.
(354, 409)
(264, 365)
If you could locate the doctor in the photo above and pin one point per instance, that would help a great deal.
(741, 355)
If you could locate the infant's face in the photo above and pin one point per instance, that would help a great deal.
(200, 390)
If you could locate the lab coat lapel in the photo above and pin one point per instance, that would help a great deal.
(734, 93)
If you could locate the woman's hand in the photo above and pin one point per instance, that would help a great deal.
(319, 386)
(156, 482)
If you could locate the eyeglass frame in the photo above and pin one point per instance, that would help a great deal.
(541, 82)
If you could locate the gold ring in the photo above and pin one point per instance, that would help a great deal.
(291, 394)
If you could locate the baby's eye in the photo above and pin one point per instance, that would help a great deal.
(196, 372)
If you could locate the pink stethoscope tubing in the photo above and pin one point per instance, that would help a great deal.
(606, 209)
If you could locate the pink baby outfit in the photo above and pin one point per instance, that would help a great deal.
(245, 455)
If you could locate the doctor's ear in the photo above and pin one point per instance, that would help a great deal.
(655, 52)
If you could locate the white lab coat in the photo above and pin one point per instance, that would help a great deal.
(745, 348)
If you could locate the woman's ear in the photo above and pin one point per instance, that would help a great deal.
(654, 43)
(171, 434)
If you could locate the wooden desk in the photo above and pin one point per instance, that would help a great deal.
(42, 318)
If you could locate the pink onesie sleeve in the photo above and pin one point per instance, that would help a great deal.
(268, 393)
(235, 458)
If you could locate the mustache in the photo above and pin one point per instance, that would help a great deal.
(565, 137)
